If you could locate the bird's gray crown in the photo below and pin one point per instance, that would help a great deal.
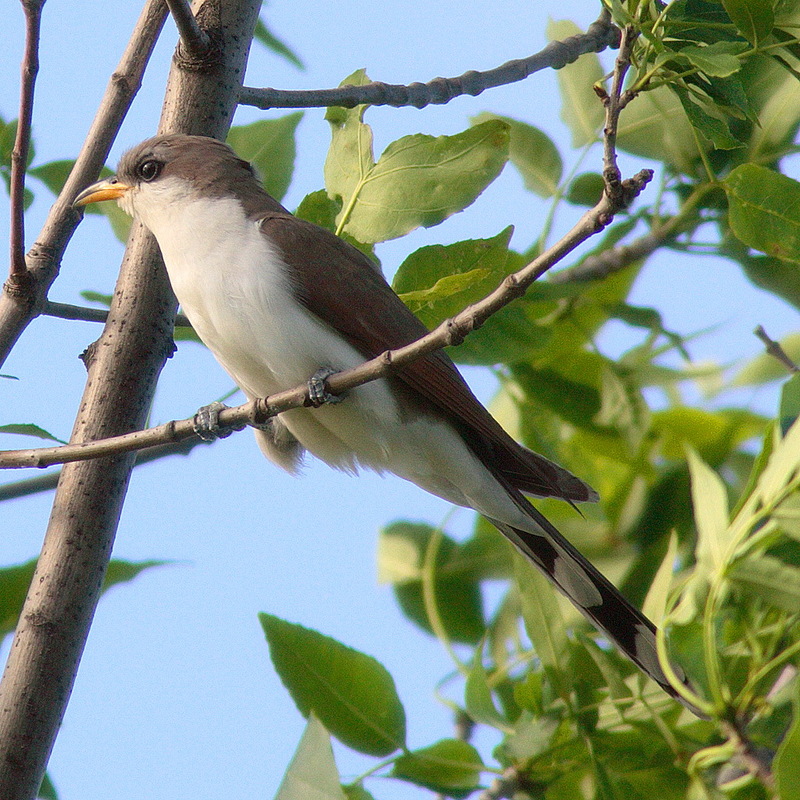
(208, 165)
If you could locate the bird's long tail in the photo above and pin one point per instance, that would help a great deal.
(625, 626)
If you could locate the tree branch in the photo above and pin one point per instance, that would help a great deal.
(450, 332)
(601, 34)
(20, 301)
(19, 155)
(194, 40)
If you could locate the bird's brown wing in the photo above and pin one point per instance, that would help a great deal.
(338, 282)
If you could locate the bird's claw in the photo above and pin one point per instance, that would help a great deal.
(206, 423)
(318, 394)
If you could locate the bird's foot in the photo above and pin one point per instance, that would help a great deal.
(318, 393)
(207, 425)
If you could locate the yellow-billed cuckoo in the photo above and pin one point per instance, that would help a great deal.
(279, 300)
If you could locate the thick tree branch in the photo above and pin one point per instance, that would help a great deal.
(450, 332)
(123, 370)
(20, 300)
(601, 34)
(19, 155)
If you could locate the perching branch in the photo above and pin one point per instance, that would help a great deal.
(20, 300)
(256, 413)
(600, 35)
(19, 155)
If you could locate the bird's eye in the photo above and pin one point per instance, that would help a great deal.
(149, 170)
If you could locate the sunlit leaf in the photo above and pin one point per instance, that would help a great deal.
(419, 180)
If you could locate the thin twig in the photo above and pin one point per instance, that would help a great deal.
(84, 314)
(194, 40)
(450, 332)
(775, 350)
(601, 34)
(614, 103)
(19, 155)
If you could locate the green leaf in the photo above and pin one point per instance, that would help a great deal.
(586, 189)
(581, 109)
(776, 583)
(320, 209)
(351, 693)
(578, 403)
(790, 402)
(714, 129)
(786, 766)
(450, 766)
(478, 696)
(507, 336)
(265, 36)
(14, 582)
(710, 502)
(29, 429)
(119, 571)
(350, 158)
(655, 126)
(754, 19)
(54, 174)
(97, 297)
(717, 59)
(765, 210)
(782, 278)
(438, 281)
(47, 791)
(419, 180)
(655, 605)
(269, 145)
(312, 773)
(402, 548)
(782, 465)
(533, 153)
(543, 623)
(355, 791)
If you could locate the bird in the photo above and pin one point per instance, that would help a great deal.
(281, 302)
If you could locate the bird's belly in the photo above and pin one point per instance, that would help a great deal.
(271, 352)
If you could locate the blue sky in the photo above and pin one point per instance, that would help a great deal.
(176, 697)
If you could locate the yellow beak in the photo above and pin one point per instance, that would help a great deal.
(108, 189)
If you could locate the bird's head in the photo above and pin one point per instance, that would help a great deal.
(170, 169)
